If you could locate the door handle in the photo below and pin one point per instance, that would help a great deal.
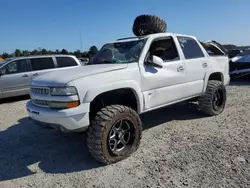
(204, 65)
(25, 75)
(35, 74)
(180, 69)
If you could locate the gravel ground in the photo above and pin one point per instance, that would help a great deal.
(180, 148)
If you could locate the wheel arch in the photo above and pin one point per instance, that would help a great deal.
(211, 75)
(124, 88)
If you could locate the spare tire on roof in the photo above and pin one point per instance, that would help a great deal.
(148, 24)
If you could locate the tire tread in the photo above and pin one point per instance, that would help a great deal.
(97, 128)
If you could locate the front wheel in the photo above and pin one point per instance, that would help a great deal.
(114, 134)
(214, 100)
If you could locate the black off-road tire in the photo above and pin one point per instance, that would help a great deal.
(206, 101)
(98, 133)
(148, 24)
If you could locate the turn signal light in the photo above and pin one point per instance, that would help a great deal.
(72, 104)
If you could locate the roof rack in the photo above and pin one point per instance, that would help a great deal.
(131, 38)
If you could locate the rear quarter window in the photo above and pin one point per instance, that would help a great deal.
(42, 63)
(65, 62)
(190, 48)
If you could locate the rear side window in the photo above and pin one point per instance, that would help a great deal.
(190, 48)
(65, 62)
(42, 63)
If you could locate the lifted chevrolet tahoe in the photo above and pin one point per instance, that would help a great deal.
(126, 78)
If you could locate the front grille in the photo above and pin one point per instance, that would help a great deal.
(41, 103)
(40, 90)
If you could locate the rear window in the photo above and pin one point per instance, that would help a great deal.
(65, 62)
(190, 48)
(42, 63)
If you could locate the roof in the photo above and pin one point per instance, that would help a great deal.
(149, 36)
(40, 56)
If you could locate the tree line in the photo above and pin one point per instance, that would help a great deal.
(42, 51)
(232, 47)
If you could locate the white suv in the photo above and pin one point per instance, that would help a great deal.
(126, 78)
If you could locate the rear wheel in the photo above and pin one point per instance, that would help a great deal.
(114, 134)
(214, 100)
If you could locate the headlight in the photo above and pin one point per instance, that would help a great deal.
(63, 91)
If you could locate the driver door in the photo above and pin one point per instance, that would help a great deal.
(164, 85)
(16, 79)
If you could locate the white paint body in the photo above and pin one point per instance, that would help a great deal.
(154, 87)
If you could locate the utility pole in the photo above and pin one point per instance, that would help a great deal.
(81, 40)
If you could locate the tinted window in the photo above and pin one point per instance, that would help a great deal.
(42, 63)
(18, 66)
(190, 48)
(165, 49)
(65, 62)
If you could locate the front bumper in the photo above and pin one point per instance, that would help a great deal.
(67, 120)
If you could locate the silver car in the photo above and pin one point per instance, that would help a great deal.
(16, 74)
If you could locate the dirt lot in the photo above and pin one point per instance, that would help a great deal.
(180, 148)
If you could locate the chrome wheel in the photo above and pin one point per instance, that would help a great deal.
(120, 136)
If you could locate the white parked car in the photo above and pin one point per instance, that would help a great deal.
(17, 73)
(126, 78)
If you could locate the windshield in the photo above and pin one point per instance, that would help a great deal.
(119, 52)
(2, 62)
(5, 61)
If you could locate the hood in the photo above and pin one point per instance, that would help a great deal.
(62, 77)
(244, 59)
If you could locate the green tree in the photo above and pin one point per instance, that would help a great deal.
(64, 51)
(34, 52)
(50, 52)
(85, 54)
(93, 50)
(25, 52)
(44, 51)
(57, 51)
(5, 55)
(18, 53)
(77, 53)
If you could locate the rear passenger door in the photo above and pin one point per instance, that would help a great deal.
(196, 65)
(41, 65)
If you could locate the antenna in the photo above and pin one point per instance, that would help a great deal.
(81, 40)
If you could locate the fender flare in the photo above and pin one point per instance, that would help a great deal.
(93, 92)
(207, 75)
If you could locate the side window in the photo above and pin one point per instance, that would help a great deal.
(15, 67)
(165, 49)
(190, 48)
(42, 63)
(65, 62)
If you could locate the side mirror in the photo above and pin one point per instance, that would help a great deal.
(155, 61)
